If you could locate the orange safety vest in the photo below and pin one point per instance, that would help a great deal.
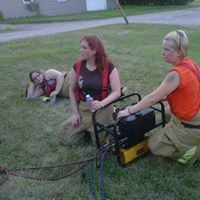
(185, 100)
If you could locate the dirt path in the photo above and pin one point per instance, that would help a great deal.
(188, 17)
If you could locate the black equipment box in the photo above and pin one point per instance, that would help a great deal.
(132, 129)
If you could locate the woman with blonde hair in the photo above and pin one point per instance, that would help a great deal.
(180, 138)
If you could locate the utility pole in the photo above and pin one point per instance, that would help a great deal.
(121, 11)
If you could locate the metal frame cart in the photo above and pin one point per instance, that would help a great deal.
(128, 136)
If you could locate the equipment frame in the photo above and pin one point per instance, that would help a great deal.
(112, 129)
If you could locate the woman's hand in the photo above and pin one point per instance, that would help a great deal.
(95, 105)
(54, 93)
(123, 113)
(75, 119)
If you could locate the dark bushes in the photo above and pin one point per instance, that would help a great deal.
(155, 2)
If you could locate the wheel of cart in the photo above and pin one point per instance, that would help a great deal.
(128, 136)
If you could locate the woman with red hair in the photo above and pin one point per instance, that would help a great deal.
(95, 75)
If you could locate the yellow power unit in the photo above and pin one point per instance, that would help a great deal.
(134, 152)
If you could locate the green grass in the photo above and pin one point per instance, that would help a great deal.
(129, 10)
(28, 131)
(7, 30)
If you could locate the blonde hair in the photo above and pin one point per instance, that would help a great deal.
(180, 42)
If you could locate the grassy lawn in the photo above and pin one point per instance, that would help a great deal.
(129, 10)
(28, 131)
(7, 30)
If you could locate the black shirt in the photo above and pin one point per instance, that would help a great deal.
(90, 82)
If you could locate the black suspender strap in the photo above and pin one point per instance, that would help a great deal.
(186, 125)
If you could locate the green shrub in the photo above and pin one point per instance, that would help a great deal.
(33, 7)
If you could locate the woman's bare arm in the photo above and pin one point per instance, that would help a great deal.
(75, 117)
(34, 91)
(58, 76)
(115, 91)
(169, 84)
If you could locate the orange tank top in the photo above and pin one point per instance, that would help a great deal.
(184, 102)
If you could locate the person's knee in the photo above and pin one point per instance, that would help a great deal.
(155, 144)
(152, 145)
(63, 137)
(161, 146)
(67, 135)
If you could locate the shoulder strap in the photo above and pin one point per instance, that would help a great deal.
(105, 75)
(78, 69)
(27, 89)
(195, 71)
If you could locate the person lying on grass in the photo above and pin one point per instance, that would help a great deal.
(50, 83)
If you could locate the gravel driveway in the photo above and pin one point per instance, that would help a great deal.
(188, 17)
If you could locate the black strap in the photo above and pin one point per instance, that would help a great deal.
(190, 125)
(65, 74)
(27, 88)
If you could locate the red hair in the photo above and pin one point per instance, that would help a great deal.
(95, 44)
